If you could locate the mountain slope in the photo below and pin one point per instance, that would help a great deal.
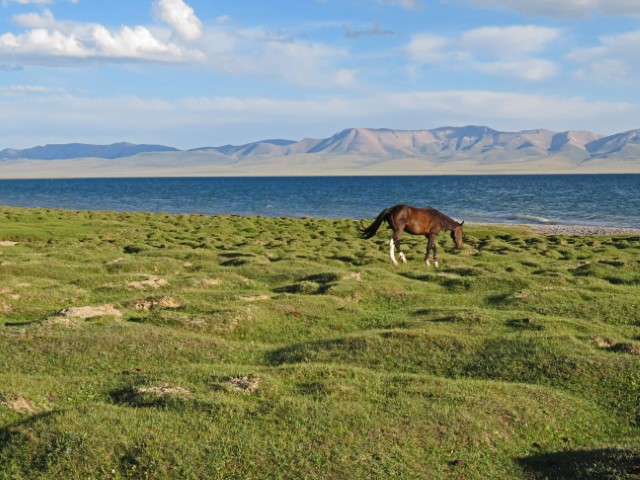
(622, 145)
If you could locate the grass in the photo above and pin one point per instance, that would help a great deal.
(251, 347)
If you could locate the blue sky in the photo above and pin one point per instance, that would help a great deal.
(193, 73)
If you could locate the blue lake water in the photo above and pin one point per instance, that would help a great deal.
(562, 199)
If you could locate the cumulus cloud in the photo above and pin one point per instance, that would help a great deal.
(250, 52)
(51, 43)
(564, 8)
(41, 46)
(41, 42)
(180, 17)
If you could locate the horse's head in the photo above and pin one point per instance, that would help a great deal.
(456, 234)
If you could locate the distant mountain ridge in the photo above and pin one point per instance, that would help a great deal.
(478, 143)
(81, 150)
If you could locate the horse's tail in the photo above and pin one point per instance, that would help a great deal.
(371, 230)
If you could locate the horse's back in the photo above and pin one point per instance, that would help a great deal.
(417, 221)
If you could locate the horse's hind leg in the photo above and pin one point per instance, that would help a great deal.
(427, 262)
(393, 244)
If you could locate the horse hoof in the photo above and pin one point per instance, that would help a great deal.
(435, 264)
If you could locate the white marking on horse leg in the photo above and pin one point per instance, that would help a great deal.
(427, 262)
(435, 263)
(403, 258)
(392, 247)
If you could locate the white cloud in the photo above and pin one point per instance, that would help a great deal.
(564, 8)
(512, 41)
(531, 70)
(492, 50)
(16, 90)
(41, 42)
(34, 20)
(199, 121)
(250, 52)
(180, 17)
(278, 57)
(41, 46)
(137, 42)
(51, 43)
(516, 111)
(615, 58)
(427, 48)
(300, 63)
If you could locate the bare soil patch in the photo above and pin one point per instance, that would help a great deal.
(353, 276)
(209, 282)
(254, 298)
(154, 303)
(90, 312)
(151, 282)
(162, 390)
(18, 404)
(246, 383)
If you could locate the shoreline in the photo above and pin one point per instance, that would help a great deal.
(570, 229)
(547, 229)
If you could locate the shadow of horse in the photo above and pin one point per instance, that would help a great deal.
(584, 464)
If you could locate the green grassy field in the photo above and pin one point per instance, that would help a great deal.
(249, 347)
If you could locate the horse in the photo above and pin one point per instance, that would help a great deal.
(416, 221)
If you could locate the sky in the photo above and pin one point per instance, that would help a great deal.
(196, 73)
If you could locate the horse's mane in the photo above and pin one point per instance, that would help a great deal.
(450, 222)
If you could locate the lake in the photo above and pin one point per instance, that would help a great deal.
(608, 200)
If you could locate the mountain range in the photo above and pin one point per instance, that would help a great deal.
(469, 149)
(440, 143)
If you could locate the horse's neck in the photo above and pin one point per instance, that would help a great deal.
(447, 223)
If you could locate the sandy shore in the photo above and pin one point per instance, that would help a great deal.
(584, 230)
(577, 229)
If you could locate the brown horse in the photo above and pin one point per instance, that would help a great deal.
(416, 221)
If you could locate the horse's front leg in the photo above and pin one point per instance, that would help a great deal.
(431, 246)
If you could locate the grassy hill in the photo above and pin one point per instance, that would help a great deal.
(155, 346)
